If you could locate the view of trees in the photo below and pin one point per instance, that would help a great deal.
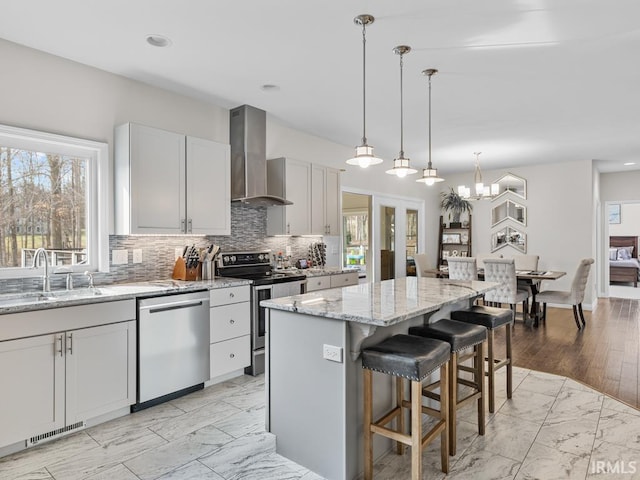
(42, 204)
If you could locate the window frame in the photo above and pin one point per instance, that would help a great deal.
(97, 199)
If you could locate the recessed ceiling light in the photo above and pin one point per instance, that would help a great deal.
(629, 164)
(156, 40)
(268, 87)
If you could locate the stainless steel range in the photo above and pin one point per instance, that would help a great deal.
(267, 283)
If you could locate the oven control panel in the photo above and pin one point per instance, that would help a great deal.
(243, 259)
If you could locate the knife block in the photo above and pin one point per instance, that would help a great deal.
(181, 272)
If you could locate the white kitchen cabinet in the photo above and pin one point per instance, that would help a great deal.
(290, 179)
(325, 200)
(230, 331)
(57, 380)
(318, 283)
(169, 183)
(321, 282)
(344, 279)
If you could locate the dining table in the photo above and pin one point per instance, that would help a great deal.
(531, 277)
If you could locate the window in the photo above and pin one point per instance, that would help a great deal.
(52, 195)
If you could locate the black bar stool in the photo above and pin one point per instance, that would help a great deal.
(413, 358)
(492, 318)
(460, 336)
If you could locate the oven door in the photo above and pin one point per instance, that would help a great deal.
(259, 326)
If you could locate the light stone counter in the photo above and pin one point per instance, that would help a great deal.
(29, 301)
(314, 372)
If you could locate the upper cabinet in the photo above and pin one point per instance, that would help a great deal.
(325, 196)
(290, 179)
(169, 183)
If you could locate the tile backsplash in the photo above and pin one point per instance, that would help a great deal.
(248, 233)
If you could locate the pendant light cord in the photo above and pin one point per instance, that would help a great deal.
(429, 167)
(401, 109)
(364, 85)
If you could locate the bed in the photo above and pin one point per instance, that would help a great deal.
(623, 269)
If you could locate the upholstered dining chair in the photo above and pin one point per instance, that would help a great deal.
(422, 265)
(526, 262)
(573, 297)
(503, 271)
(462, 268)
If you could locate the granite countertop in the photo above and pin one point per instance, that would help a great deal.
(28, 301)
(320, 272)
(382, 303)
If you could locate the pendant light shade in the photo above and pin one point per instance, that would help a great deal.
(364, 153)
(430, 174)
(401, 166)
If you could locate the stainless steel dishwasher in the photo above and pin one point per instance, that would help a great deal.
(173, 346)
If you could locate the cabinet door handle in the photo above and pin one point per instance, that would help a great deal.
(190, 225)
(231, 295)
(70, 346)
(61, 352)
(231, 356)
(288, 228)
(232, 321)
(183, 225)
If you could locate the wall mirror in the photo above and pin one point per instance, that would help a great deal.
(509, 210)
(509, 236)
(510, 183)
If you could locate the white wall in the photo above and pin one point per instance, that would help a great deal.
(559, 216)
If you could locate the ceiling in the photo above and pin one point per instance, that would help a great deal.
(523, 81)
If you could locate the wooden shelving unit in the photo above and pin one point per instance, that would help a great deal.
(453, 242)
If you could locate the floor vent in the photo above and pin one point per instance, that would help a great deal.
(53, 434)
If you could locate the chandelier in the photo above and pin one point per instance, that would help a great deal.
(364, 153)
(481, 191)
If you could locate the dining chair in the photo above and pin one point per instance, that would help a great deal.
(422, 265)
(462, 268)
(481, 257)
(529, 263)
(573, 297)
(503, 271)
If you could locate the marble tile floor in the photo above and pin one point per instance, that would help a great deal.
(552, 428)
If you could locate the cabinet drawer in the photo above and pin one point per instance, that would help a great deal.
(225, 296)
(230, 321)
(230, 355)
(318, 283)
(344, 279)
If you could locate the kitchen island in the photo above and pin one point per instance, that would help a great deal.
(313, 377)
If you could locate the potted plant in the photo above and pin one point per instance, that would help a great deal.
(455, 205)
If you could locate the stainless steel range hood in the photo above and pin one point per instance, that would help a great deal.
(248, 138)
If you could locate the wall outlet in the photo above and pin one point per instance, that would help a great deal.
(177, 253)
(287, 251)
(119, 257)
(331, 352)
(137, 255)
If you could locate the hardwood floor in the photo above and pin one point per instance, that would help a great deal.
(605, 355)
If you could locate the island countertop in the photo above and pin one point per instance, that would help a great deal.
(382, 303)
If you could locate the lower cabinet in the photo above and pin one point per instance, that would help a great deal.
(331, 281)
(230, 330)
(51, 382)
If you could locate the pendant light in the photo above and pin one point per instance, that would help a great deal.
(364, 153)
(401, 166)
(430, 174)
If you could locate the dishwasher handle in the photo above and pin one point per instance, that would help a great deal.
(165, 307)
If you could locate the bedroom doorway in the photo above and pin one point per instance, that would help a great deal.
(623, 221)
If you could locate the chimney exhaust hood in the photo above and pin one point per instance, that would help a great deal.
(248, 139)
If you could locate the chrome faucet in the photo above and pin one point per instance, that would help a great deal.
(46, 287)
(90, 275)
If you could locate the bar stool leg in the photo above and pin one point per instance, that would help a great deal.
(491, 371)
(444, 413)
(479, 374)
(416, 430)
(509, 361)
(368, 419)
(453, 402)
(399, 401)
